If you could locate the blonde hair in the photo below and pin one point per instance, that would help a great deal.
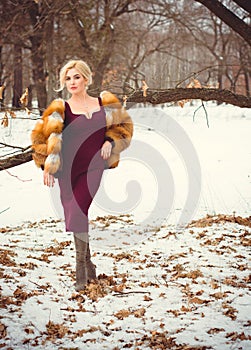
(81, 66)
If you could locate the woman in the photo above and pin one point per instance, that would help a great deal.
(75, 140)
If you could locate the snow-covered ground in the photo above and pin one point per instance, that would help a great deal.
(161, 285)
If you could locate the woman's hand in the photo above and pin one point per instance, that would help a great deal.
(106, 150)
(49, 179)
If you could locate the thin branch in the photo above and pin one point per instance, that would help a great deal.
(4, 210)
(122, 294)
(17, 177)
(202, 105)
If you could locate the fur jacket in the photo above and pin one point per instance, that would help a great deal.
(46, 137)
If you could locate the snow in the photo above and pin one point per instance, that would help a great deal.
(165, 285)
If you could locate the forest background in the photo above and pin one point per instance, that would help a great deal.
(165, 43)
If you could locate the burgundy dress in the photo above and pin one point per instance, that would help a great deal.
(83, 165)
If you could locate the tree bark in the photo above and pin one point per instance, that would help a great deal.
(228, 17)
(38, 54)
(18, 159)
(174, 95)
(18, 76)
(245, 4)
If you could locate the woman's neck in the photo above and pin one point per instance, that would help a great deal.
(82, 98)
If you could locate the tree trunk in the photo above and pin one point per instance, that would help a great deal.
(38, 55)
(1, 78)
(228, 17)
(246, 77)
(49, 31)
(245, 4)
(18, 76)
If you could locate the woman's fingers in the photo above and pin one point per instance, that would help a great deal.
(48, 179)
(106, 150)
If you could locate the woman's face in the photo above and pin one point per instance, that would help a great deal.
(75, 82)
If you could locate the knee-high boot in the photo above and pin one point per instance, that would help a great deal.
(91, 268)
(85, 269)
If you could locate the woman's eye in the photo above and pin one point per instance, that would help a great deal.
(67, 78)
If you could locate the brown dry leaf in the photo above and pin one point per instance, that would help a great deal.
(147, 298)
(12, 114)
(4, 301)
(58, 249)
(3, 331)
(20, 294)
(149, 284)
(214, 285)
(176, 313)
(219, 295)
(140, 312)
(24, 97)
(55, 330)
(196, 300)
(28, 265)
(1, 91)
(5, 257)
(144, 88)
(119, 288)
(122, 314)
(81, 332)
(124, 100)
(238, 336)
(157, 341)
(209, 220)
(194, 274)
(29, 330)
(230, 311)
(194, 83)
(5, 120)
(215, 330)
(100, 288)
(27, 111)
(182, 103)
(185, 309)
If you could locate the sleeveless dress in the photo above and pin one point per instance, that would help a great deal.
(82, 165)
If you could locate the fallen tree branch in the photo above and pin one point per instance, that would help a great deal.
(15, 160)
(156, 97)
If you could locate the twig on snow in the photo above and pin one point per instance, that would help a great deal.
(121, 294)
(17, 177)
(4, 210)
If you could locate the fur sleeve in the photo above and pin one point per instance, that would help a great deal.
(46, 137)
(119, 126)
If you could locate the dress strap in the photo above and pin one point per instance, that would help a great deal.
(100, 101)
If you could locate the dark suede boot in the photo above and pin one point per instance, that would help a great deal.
(81, 263)
(85, 269)
(91, 268)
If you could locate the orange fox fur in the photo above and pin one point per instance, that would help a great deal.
(46, 135)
